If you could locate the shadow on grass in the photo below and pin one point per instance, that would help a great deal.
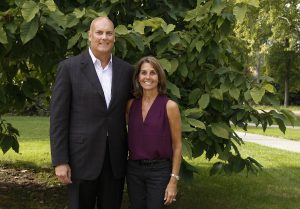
(31, 196)
(20, 164)
(276, 188)
(27, 186)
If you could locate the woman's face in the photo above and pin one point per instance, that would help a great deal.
(148, 77)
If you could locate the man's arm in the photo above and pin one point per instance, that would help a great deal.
(59, 123)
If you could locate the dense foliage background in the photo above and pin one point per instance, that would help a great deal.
(201, 44)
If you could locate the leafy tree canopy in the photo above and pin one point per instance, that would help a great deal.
(272, 33)
(194, 41)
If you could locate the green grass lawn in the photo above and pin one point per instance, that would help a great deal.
(276, 187)
(34, 142)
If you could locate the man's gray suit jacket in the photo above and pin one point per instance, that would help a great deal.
(80, 122)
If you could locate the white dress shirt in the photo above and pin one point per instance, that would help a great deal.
(104, 76)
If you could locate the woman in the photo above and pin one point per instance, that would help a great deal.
(154, 139)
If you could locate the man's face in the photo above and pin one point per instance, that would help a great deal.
(102, 36)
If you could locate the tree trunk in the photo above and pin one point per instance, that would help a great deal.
(258, 66)
(286, 83)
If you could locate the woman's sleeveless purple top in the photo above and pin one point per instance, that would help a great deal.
(151, 139)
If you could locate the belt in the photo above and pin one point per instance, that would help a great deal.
(151, 162)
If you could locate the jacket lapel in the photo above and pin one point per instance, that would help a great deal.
(88, 69)
(116, 76)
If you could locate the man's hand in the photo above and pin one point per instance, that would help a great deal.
(63, 173)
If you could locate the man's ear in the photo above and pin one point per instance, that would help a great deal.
(89, 35)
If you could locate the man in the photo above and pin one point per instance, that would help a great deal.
(87, 122)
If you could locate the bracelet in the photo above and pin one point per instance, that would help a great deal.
(175, 176)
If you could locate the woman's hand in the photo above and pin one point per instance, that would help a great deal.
(171, 191)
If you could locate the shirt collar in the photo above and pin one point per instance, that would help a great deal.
(94, 59)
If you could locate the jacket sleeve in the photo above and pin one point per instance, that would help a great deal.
(59, 116)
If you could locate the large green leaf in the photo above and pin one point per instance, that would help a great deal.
(183, 70)
(217, 94)
(79, 13)
(199, 45)
(190, 15)
(59, 18)
(225, 87)
(122, 45)
(276, 114)
(247, 95)
(254, 3)
(121, 30)
(185, 126)
(28, 30)
(204, 101)
(174, 66)
(194, 95)
(239, 81)
(3, 36)
(168, 28)
(210, 77)
(257, 94)
(93, 14)
(289, 115)
(235, 93)
(218, 6)
(11, 27)
(271, 99)
(162, 47)
(72, 41)
(193, 113)
(71, 20)
(219, 130)
(11, 130)
(237, 163)
(166, 64)
(138, 41)
(187, 149)
(196, 123)
(220, 21)
(154, 23)
(198, 12)
(174, 39)
(139, 26)
(6, 143)
(15, 144)
(269, 87)
(281, 125)
(50, 5)
(29, 10)
(174, 89)
(240, 12)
